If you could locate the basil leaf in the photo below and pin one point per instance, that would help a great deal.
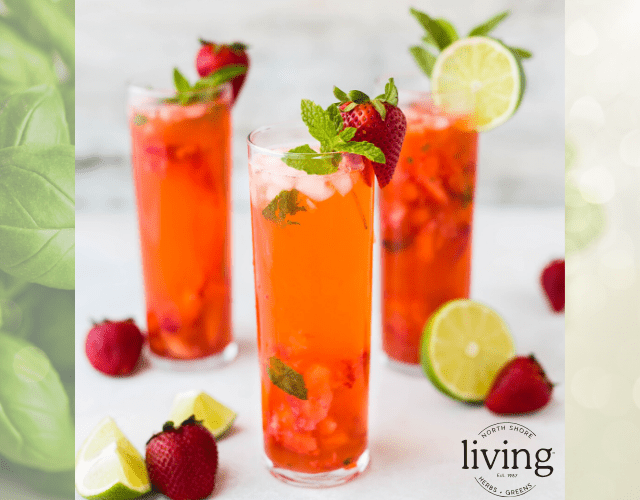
(37, 217)
(48, 320)
(48, 24)
(286, 378)
(36, 427)
(23, 64)
(33, 116)
(68, 92)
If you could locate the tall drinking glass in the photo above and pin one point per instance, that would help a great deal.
(312, 248)
(181, 157)
(426, 214)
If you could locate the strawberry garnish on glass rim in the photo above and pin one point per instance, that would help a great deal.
(373, 129)
(214, 56)
(378, 121)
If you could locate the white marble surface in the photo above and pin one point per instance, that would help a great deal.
(300, 49)
(415, 432)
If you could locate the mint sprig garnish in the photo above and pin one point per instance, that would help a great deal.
(440, 33)
(206, 88)
(286, 378)
(283, 205)
(327, 127)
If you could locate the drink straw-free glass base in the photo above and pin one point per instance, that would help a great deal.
(321, 479)
(210, 362)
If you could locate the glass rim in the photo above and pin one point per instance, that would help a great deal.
(284, 126)
(135, 89)
(451, 102)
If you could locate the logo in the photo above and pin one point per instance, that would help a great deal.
(507, 459)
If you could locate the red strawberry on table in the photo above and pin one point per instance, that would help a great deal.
(552, 280)
(378, 121)
(521, 386)
(114, 347)
(182, 462)
(213, 56)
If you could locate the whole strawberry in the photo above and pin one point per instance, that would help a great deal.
(521, 386)
(213, 56)
(114, 347)
(182, 462)
(552, 281)
(378, 121)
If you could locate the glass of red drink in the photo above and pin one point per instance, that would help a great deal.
(426, 215)
(181, 155)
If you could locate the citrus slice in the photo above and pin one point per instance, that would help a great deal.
(214, 415)
(463, 346)
(108, 467)
(486, 72)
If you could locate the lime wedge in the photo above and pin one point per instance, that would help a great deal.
(463, 346)
(108, 467)
(486, 71)
(214, 415)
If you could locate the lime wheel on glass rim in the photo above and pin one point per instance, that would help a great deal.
(487, 71)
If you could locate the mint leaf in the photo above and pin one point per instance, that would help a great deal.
(520, 53)
(139, 120)
(347, 134)
(299, 159)
(333, 112)
(286, 378)
(488, 26)
(423, 58)
(286, 203)
(320, 122)
(181, 83)
(220, 76)
(434, 28)
(205, 89)
(448, 28)
(363, 148)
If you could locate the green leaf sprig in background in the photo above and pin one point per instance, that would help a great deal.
(37, 238)
(440, 33)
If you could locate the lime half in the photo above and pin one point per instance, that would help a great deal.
(484, 70)
(214, 415)
(108, 467)
(463, 347)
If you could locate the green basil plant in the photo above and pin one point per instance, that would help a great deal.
(37, 245)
